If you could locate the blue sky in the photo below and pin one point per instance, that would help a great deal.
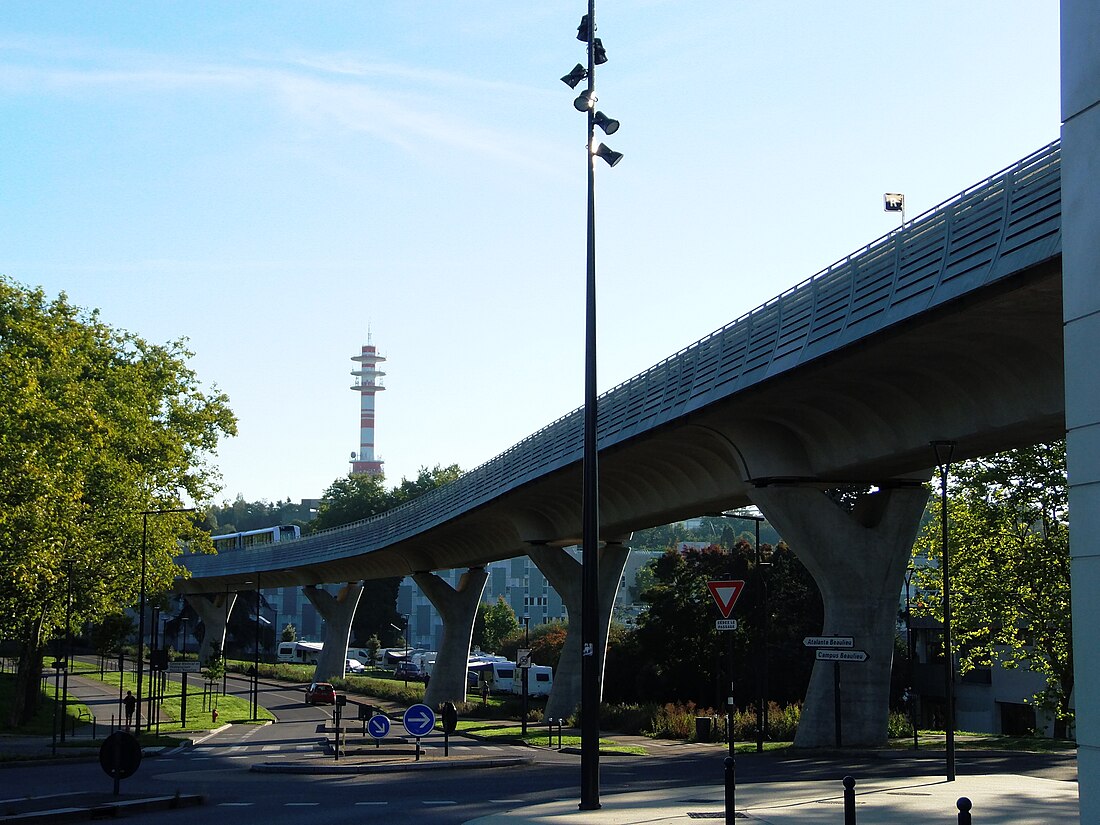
(272, 180)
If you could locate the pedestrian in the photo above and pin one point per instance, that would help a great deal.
(130, 702)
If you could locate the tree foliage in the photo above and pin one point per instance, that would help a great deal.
(97, 426)
(1009, 542)
(675, 653)
(497, 622)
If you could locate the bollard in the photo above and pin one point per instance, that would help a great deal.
(849, 801)
(964, 805)
(731, 790)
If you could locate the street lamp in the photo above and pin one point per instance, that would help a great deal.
(406, 659)
(525, 669)
(590, 517)
(909, 648)
(141, 596)
(944, 450)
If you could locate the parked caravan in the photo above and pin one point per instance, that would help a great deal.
(300, 652)
(540, 678)
(497, 674)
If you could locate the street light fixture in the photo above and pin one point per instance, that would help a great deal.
(141, 596)
(944, 451)
(590, 517)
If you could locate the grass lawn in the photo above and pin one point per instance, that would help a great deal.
(536, 735)
(42, 723)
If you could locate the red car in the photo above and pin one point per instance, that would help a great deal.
(321, 693)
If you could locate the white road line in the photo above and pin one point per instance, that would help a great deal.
(236, 804)
(506, 801)
(266, 748)
(301, 804)
(372, 803)
(438, 802)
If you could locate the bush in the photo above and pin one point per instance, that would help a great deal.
(898, 726)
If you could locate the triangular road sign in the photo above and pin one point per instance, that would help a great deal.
(725, 594)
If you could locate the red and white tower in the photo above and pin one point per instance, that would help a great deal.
(367, 383)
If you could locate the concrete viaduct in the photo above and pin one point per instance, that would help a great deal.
(948, 329)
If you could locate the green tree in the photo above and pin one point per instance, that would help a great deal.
(1008, 520)
(289, 634)
(96, 426)
(498, 622)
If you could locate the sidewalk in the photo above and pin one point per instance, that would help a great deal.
(997, 800)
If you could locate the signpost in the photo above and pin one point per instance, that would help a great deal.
(835, 649)
(829, 641)
(119, 756)
(725, 595)
(378, 726)
(419, 720)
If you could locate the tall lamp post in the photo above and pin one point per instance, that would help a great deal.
(141, 596)
(911, 654)
(406, 659)
(590, 517)
(944, 450)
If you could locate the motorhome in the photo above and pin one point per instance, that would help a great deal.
(497, 675)
(300, 652)
(540, 678)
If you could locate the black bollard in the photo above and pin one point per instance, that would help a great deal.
(849, 801)
(964, 805)
(731, 790)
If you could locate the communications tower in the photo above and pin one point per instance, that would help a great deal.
(367, 383)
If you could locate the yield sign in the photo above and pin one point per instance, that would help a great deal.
(725, 595)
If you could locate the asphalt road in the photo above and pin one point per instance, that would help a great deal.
(219, 769)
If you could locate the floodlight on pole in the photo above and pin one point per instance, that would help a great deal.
(574, 77)
(609, 125)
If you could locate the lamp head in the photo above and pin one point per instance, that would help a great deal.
(600, 54)
(609, 125)
(578, 74)
(610, 156)
(585, 101)
(582, 30)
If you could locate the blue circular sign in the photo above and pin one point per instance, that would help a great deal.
(419, 720)
(378, 726)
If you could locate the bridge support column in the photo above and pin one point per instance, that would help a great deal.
(458, 609)
(564, 574)
(338, 612)
(213, 610)
(1081, 312)
(858, 560)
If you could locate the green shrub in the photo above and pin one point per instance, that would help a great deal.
(898, 726)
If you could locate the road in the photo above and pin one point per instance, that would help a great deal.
(219, 769)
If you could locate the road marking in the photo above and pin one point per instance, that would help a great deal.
(301, 804)
(236, 804)
(266, 748)
(438, 802)
(372, 803)
(506, 801)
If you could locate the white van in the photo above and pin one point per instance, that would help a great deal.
(540, 678)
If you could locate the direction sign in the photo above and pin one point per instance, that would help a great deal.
(523, 658)
(842, 655)
(725, 624)
(419, 720)
(725, 595)
(184, 667)
(378, 726)
(829, 641)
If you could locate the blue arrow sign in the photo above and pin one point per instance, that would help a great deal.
(419, 720)
(378, 726)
